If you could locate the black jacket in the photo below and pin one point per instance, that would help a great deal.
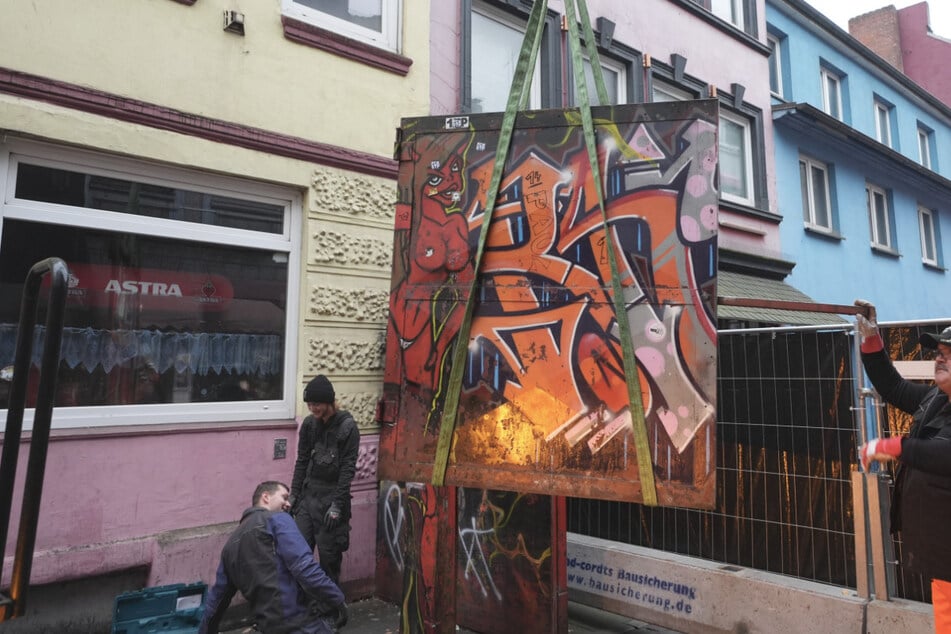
(327, 459)
(921, 505)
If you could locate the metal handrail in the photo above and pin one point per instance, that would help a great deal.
(14, 605)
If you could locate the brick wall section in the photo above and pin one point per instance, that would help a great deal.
(925, 55)
(879, 31)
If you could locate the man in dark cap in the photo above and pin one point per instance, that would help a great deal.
(921, 502)
(327, 447)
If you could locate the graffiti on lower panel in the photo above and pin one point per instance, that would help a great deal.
(503, 557)
(393, 516)
(543, 386)
(476, 561)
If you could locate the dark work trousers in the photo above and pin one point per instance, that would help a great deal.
(331, 544)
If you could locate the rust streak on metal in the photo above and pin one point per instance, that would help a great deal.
(755, 302)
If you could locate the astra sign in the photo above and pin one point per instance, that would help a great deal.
(152, 289)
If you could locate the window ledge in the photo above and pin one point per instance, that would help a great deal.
(753, 212)
(310, 35)
(116, 431)
(934, 267)
(188, 2)
(886, 251)
(820, 232)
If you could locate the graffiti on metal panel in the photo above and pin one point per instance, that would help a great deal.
(503, 555)
(543, 386)
(504, 548)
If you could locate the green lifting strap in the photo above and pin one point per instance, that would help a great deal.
(644, 462)
(518, 96)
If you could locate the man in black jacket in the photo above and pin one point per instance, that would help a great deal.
(327, 448)
(921, 505)
(267, 559)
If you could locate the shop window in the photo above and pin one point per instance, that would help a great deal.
(179, 296)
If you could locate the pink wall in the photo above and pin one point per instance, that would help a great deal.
(166, 501)
(925, 57)
(661, 29)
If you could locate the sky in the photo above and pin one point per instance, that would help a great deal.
(839, 11)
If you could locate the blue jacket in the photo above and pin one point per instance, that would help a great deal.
(267, 559)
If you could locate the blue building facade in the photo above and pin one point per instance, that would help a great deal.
(863, 169)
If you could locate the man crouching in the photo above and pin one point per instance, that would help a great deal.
(267, 559)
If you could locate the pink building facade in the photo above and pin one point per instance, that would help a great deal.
(903, 38)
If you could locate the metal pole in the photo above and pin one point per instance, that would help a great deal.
(43, 415)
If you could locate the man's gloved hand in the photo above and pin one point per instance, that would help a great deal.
(867, 326)
(881, 449)
(343, 615)
(295, 505)
(332, 516)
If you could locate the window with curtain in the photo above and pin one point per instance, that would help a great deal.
(495, 41)
(180, 291)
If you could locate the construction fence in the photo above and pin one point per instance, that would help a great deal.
(793, 408)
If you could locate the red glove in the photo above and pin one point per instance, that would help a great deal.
(882, 449)
(867, 326)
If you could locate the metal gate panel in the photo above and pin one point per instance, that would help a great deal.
(544, 405)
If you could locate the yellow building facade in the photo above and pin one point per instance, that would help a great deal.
(218, 177)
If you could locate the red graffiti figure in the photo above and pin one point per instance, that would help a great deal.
(440, 263)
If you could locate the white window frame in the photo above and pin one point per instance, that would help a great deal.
(285, 244)
(490, 13)
(730, 10)
(883, 122)
(809, 202)
(927, 232)
(389, 37)
(668, 93)
(750, 197)
(620, 87)
(834, 99)
(879, 241)
(924, 147)
(775, 65)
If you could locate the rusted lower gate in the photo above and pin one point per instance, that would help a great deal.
(552, 333)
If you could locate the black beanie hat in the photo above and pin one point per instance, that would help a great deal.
(319, 390)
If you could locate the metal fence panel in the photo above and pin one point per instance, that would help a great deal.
(786, 446)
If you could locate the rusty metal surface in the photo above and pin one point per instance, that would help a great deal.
(814, 307)
(544, 407)
(489, 561)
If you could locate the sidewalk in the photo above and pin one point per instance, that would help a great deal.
(375, 616)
